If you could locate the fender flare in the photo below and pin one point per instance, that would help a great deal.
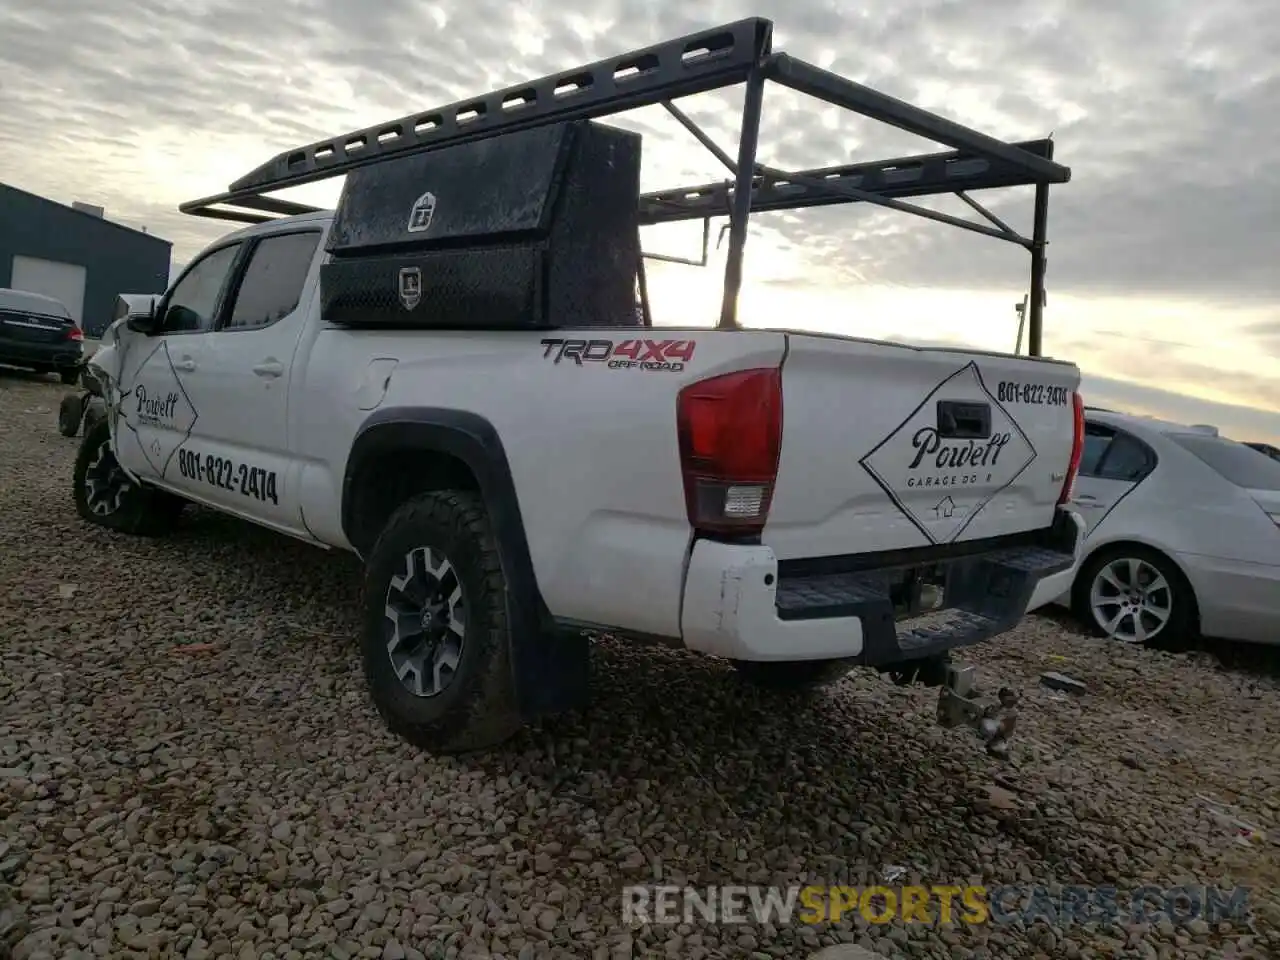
(550, 669)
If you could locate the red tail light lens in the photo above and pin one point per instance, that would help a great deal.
(1077, 450)
(730, 433)
(75, 333)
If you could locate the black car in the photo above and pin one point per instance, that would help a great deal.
(37, 332)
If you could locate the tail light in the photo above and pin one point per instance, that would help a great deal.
(75, 333)
(1077, 450)
(730, 434)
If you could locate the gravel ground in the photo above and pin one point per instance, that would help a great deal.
(189, 766)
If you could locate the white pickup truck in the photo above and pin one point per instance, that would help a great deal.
(518, 469)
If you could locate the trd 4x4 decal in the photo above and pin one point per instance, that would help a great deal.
(667, 355)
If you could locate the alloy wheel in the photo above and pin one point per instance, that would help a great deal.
(1131, 600)
(426, 622)
(105, 483)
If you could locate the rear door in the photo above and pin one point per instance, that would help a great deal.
(1113, 464)
(887, 446)
(239, 458)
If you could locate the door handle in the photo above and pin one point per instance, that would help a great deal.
(186, 365)
(1085, 500)
(269, 368)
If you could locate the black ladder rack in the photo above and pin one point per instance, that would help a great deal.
(720, 57)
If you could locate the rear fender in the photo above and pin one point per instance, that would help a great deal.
(550, 666)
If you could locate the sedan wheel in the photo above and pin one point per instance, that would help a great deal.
(1133, 596)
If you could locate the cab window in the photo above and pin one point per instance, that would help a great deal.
(193, 303)
(273, 280)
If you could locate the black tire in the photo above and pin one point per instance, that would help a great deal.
(133, 509)
(70, 413)
(95, 412)
(1174, 598)
(786, 675)
(70, 376)
(475, 706)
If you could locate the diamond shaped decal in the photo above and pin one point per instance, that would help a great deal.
(942, 483)
(158, 401)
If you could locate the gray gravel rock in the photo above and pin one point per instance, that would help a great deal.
(190, 767)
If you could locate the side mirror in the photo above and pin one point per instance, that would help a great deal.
(147, 322)
(143, 322)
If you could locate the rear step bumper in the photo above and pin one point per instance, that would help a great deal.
(737, 603)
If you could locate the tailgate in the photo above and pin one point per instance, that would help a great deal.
(886, 446)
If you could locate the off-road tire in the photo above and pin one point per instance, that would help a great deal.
(69, 376)
(1181, 625)
(792, 675)
(477, 709)
(142, 511)
(95, 412)
(70, 413)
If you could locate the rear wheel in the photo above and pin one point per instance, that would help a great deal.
(783, 675)
(1135, 595)
(436, 640)
(107, 497)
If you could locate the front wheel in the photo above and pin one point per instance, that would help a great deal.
(1134, 595)
(106, 496)
(436, 639)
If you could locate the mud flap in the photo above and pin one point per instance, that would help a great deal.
(552, 667)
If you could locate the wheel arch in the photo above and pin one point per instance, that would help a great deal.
(460, 449)
(446, 448)
(1121, 543)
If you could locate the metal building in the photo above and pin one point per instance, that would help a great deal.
(77, 256)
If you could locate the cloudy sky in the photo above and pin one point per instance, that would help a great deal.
(1164, 264)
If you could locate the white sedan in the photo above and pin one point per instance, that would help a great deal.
(1183, 534)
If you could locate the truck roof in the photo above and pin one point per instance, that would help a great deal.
(279, 224)
(716, 58)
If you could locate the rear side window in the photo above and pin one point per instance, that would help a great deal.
(1126, 459)
(1241, 465)
(273, 280)
(1096, 440)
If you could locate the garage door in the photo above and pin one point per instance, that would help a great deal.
(53, 278)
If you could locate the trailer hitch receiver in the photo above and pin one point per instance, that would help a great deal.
(961, 703)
